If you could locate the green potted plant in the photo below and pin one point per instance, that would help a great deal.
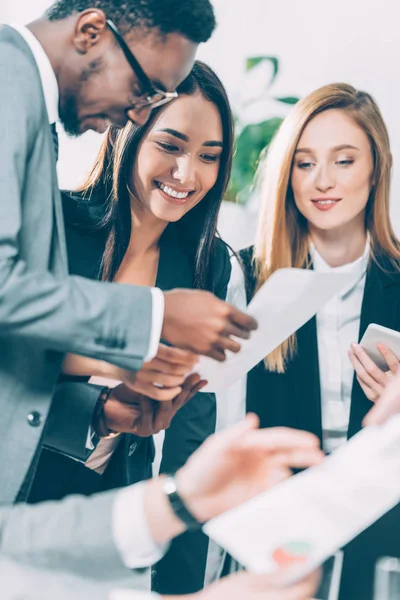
(252, 138)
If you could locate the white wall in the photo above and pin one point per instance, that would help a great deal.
(317, 42)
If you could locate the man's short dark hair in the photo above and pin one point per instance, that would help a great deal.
(194, 19)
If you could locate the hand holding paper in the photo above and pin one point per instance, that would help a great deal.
(301, 522)
(248, 586)
(243, 461)
(289, 298)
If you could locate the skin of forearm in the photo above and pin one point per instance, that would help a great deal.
(79, 365)
(162, 522)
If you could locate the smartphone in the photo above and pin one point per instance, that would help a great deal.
(376, 334)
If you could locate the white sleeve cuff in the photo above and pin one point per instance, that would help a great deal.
(157, 319)
(133, 595)
(131, 532)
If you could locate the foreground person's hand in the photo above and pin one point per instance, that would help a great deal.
(249, 586)
(237, 464)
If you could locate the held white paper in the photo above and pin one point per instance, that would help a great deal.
(289, 298)
(301, 522)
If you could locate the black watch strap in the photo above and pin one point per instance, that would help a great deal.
(178, 506)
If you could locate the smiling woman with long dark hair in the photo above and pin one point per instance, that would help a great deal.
(116, 187)
(147, 215)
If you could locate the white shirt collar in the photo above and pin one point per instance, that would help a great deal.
(47, 75)
(357, 268)
(358, 265)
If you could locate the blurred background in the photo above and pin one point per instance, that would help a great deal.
(268, 54)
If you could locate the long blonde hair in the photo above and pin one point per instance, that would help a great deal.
(282, 235)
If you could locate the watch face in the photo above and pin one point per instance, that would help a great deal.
(169, 486)
(178, 506)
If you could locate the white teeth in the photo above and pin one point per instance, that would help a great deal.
(173, 193)
(325, 201)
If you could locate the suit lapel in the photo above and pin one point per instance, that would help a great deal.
(59, 260)
(380, 305)
(60, 257)
(304, 380)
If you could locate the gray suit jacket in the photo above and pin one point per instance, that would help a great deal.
(44, 312)
(74, 536)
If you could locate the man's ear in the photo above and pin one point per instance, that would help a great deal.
(90, 27)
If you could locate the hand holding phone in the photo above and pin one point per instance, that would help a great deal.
(375, 359)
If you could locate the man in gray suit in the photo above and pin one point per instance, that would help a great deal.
(89, 63)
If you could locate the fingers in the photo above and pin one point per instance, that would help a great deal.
(371, 389)
(278, 439)
(230, 436)
(370, 394)
(249, 424)
(367, 371)
(163, 415)
(161, 366)
(157, 378)
(300, 459)
(368, 364)
(387, 405)
(229, 344)
(254, 585)
(197, 388)
(190, 382)
(149, 390)
(165, 411)
(145, 378)
(390, 358)
(242, 321)
(232, 329)
(192, 385)
(144, 425)
(304, 590)
(177, 356)
(216, 354)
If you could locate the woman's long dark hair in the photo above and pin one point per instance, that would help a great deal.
(108, 184)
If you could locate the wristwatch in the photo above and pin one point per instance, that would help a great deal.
(99, 421)
(178, 506)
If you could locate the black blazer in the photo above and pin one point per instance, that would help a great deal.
(182, 569)
(293, 399)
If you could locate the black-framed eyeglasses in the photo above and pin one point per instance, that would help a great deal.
(152, 97)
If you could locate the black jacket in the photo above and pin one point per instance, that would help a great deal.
(182, 569)
(293, 399)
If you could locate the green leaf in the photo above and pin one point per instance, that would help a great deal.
(249, 144)
(256, 60)
(288, 99)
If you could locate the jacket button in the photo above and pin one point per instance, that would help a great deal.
(34, 419)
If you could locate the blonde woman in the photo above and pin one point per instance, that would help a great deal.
(325, 186)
